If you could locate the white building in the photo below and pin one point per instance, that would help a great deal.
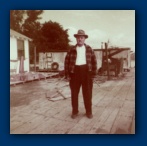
(19, 46)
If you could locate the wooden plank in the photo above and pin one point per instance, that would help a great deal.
(16, 82)
(42, 108)
(119, 96)
(99, 96)
(107, 99)
(65, 92)
(25, 108)
(124, 90)
(52, 112)
(113, 110)
(26, 114)
(37, 112)
(28, 126)
(101, 92)
(58, 97)
(131, 93)
(133, 126)
(116, 52)
(99, 122)
(46, 126)
(63, 127)
(105, 128)
(64, 113)
(115, 103)
(83, 126)
(122, 124)
(51, 94)
(59, 94)
(125, 121)
(20, 120)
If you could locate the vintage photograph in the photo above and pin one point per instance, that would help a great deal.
(72, 71)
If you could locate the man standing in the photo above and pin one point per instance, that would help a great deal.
(80, 67)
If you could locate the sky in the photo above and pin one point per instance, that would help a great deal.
(115, 26)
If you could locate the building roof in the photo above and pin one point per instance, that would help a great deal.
(18, 35)
(110, 49)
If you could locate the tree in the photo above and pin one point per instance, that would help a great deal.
(31, 28)
(26, 21)
(47, 36)
(31, 25)
(53, 37)
(16, 19)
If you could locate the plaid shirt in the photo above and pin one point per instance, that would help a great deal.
(70, 59)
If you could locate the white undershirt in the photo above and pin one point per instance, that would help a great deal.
(81, 55)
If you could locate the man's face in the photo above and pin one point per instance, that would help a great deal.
(80, 40)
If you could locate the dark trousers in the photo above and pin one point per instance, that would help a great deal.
(81, 77)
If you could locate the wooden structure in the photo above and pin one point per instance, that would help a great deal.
(52, 60)
(118, 59)
(19, 46)
(30, 76)
(113, 109)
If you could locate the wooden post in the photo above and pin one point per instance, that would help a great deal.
(101, 45)
(35, 59)
(102, 58)
(106, 48)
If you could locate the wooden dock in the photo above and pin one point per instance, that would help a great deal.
(113, 109)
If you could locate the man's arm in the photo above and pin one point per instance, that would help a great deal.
(94, 63)
(66, 64)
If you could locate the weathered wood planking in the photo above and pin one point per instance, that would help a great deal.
(29, 125)
(46, 126)
(101, 93)
(20, 120)
(105, 128)
(63, 127)
(119, 96)
(101, 119)
(29, 112)
(108, 96)
(26, 115)
(125, 119)
(83, 126)
(113, 110)
(122, 124)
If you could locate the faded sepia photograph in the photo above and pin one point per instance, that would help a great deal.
(72, 71)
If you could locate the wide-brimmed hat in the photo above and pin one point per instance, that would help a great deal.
(81, 33)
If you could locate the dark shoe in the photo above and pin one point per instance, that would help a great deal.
(73, 116)
(90, 116)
